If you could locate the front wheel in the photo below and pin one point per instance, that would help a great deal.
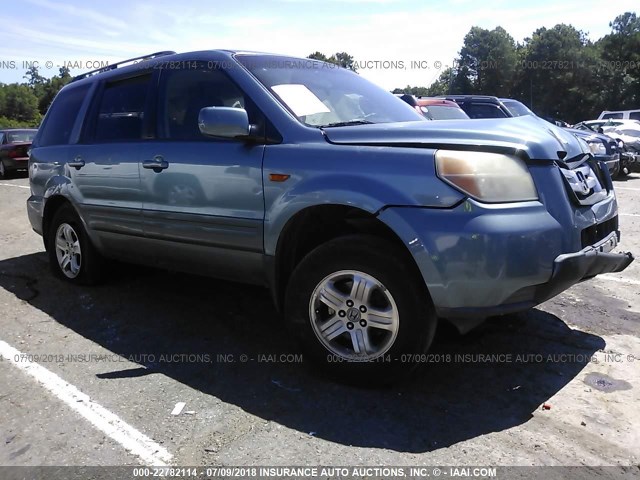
(360, 311)
(72, 256)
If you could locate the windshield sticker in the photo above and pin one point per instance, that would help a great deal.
(300, 99)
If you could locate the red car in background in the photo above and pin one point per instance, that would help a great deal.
(435, 108)
(14, 149)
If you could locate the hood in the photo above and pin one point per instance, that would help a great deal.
(589, 136)
(536, 138)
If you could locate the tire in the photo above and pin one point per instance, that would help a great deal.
(72, 256)
(4, 171)
(388, 284)
(616, 171)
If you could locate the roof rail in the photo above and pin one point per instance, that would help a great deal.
(113, 66)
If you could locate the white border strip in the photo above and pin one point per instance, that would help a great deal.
(13, 185)
(110, 424)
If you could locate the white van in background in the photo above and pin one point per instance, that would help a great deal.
(620, 114)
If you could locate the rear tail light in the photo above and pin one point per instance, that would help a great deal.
(18, 152)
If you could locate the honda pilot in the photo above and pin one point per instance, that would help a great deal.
(367, 222)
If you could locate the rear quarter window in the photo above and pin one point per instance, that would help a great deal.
(58, 125)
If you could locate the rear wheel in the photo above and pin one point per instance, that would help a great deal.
(72, 256)
(4, 171)
(360, 311)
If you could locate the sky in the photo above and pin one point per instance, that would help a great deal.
(396, 42)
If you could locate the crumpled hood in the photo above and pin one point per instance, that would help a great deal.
(537, 138)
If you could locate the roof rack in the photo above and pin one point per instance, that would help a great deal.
(113, 66)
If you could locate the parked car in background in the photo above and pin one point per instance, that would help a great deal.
(435, 108)
(628, 156)
(603, 126)
(602, 147)
(481, 106)
(620, 114)
(367, 222)
(14, 149)
(629, 135)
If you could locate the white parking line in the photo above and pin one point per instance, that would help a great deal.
(13, 185)
(626, 188)
(629, 214)
(110, 424)
(618, 279)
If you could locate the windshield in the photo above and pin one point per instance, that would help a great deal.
(18, 136)
(584, 126)
(442, 112)
(324, 95)
(516, 108)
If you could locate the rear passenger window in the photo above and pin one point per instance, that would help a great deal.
(612, 115)
(60, 120)
(479, 110)
(121, 110)
(634, 115)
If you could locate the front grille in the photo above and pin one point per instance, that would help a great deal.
(585, 182)
(595, 233)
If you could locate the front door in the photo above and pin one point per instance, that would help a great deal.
(203, 203)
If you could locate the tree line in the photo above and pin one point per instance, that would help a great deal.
(24, 104)
(558, 72)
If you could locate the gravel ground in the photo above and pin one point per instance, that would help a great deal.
(147, 339)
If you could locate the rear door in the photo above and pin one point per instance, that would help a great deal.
(203, 200)
(105, 162)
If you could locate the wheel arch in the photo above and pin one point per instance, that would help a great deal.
(315, 225)
(54, 203)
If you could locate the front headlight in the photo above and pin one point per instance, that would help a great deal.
(597, 148)
(488, 177)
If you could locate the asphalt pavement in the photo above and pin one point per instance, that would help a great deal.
(90, 376)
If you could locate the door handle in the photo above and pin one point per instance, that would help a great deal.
(77, 163)
(157, 164)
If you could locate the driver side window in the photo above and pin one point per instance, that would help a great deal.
(186, 91)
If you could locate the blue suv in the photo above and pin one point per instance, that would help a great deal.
(367, 222)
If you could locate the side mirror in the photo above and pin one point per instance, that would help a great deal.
(224, 122)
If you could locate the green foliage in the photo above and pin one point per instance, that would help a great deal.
(557, 71)
(490, 60)
(340, 58)
(24, 104)
(417, 91)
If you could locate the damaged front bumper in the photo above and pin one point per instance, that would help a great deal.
(568, 270)
(572, 268)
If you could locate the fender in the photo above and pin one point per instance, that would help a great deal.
(62, 186)
(368, 178)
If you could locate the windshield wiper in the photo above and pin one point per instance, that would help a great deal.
(347, 123)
